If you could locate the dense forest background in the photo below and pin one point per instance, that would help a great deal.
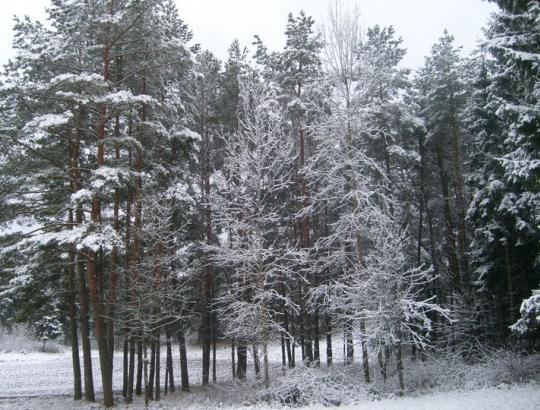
(320, 196)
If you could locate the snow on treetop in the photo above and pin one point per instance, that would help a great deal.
(189, 134)
(112, 19)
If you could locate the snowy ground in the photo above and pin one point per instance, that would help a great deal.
(510, 397)
(36, 374)
(43, 380)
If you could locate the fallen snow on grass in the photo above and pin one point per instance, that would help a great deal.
(35, 380)
(504, 397)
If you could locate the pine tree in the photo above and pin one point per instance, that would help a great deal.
(294, 70)
(504, 122)
(442, 97)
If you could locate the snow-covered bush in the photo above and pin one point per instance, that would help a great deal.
(491, 368)
(305, 385)
(530, 315)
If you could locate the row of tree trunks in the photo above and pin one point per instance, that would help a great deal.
(151, 375)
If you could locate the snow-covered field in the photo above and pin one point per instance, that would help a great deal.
(509, 397)
(43, 381)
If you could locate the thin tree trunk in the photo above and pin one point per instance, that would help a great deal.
(72, 313)
(424, 204)
(306, 326)
(460, 199)
(453, 263)
(152, 369)
(206, 326)
(136, 250)
(287, 338)
(207, 279)
(283, 354)
(170, 367)
(242, 361)
(383, 360)
(146, 391)
(365, 360)
(70, 281)
(349, 344)
(157, 393)
(213, 336)
(131, 371)
(329, 354)
(125, 357)
(399, 366)
(509, 284)
(214, 375)
(89, 394)
(166, 386)
(293, 353)
(256, 361)
(316, 339)
(233, 364)
(113, 275)
(266, 367)
(184, 375)
(138, 384)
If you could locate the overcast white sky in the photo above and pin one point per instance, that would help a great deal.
(216, 23)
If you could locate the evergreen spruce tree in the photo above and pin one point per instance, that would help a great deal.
(504, 121)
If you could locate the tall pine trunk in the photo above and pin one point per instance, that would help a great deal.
(169, 368)
(184, 375)
(365, 360)
(329, 353)
(94, 272)
(256, 361)
(89, 394)
(266, 366)
(242, 360)
(125, 363)
(233, 361)
(72, 314)
(157, 393)
(152, 369)
(316, 339)
(131, 370)
(460, 202)
(140, 359)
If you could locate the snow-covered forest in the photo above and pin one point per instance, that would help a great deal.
(316, 225)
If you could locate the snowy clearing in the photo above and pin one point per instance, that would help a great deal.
(504, 397)
(43, 380)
